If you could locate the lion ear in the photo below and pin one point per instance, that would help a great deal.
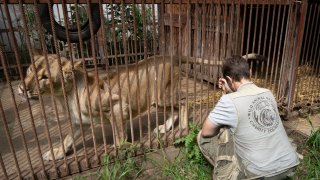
(77, 65)
(37, 53)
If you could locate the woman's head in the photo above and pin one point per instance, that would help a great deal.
(236, 68)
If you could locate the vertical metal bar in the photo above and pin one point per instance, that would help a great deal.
(275, 47)
(210, 50)
(16, 17)
(215, 41)
(97, 76)
(260, 34)
(287, 70)
(12, 92)
(312, 58)
(288, 55)
(25, 29)
(316, 74)
(189, 29)
(172, 50)
(243, 24)
(180, 68)
(236, 51)
(270, 43)
(29, 19)
(203, 42)
(217, 37)
(196, 55)
(127, 71)
(287, 46)
(16, 111)
(137, 74)
(63, 89)
(86, 78)
(231, 45)
(2, 164)
(147, 69)
(155, 65)
(7, 131)
(117, 68)
(105, 50)
(218, 32)
(280, 49)
(314, 30)
(164, 70)
(306, 45)
(309, 30)
(224, 40)
(249, 34)
(42, 41)
(24, 85)
(255, 28)
(299, 38)
(74, 84)
(6, 34)
(265, 38)
(254, 36)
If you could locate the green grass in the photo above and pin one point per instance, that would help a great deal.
(124, 166)
(189, 164)
(309, 167)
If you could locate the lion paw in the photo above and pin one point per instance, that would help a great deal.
(58, 154)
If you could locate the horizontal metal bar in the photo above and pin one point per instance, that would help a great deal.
(140, 1)
(14, 66)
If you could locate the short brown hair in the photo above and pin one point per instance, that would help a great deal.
(236, 67)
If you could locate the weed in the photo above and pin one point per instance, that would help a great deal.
(191, 148)
(189, 164)
(313, 141)
(122, 167)
(312, 159)
(309, 167)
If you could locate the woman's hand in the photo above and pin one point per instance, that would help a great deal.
(224, 85)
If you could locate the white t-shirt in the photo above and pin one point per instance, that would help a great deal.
(224, 113)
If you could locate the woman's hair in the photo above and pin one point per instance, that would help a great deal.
(236, 67)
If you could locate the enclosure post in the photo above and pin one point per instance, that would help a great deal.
(296, 54)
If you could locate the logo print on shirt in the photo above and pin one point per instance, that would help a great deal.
(262, 115)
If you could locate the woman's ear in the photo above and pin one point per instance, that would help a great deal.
(229, 78)
(230, 83)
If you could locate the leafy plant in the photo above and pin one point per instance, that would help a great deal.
(122, 167)
(191, 147)
(189, 163)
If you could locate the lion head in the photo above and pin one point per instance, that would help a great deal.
(41, 75)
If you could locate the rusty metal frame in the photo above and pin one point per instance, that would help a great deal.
(213, 30)
(142, 1)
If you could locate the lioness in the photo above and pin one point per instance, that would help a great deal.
(113, 90)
